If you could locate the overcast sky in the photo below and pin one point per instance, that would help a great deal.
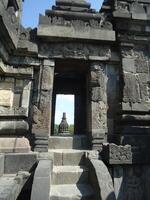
(31, 11)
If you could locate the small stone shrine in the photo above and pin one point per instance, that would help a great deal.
(103, 59)
(63, 126)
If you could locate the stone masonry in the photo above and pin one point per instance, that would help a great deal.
(103, 59)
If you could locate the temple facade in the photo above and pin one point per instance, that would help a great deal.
(103, 59)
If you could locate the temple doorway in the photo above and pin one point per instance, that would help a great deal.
(64, 114)
(70, 79)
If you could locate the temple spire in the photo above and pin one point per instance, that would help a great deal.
(63, 127)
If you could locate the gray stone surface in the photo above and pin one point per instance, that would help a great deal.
(68, 157)
(19, 127)
(11, 185)
(102, 180)
(14, 145)
(42, 180)
(15, 162)
(74, 192)
(71, 33)
(69, 175)
(107, 54)
(1, 164)
(72, 142)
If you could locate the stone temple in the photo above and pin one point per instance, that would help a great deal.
(103, 59)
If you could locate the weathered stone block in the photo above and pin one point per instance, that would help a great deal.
(42, 177)
(138, 11)
(99, 111)
(16, 100)
(14, 127)
(47, 81)
(14, 145)
(128, 65)
(15, 162)
(120, 154)
(6, 98)
(69, 175)
(131, 89)
(73, 157)
(69, 32)
(1, 164)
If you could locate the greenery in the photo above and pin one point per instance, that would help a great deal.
(71, 129)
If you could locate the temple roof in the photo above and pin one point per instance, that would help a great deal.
(76, 3)
(72, 5)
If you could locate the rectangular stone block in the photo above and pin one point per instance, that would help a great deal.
(16, 100)
(15, 162)
(1, 164)
(14, 145)
(129, 65)
(74, 158)
(42, 177)
(6, 98)
(69, 32)
(120, 154)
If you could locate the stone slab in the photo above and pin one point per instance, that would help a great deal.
(6, 98)
(15, 162)
(14, 145)
(75, 142)
(68, 157)
(1, 164)
(76, 192)
(19, 127)
(11, 185)
(102, 182)
(64, 32)
(69, 175)
(42, 178)
(74, 158)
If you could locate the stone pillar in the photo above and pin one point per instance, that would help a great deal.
(42, 112)
(98, 103)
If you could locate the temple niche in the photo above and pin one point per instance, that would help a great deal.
(100, 57)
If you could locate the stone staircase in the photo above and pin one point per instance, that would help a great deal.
(70, 177)
(11, 185)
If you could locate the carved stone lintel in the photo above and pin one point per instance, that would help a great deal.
(77, 51)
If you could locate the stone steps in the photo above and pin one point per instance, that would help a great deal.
(72, 192)
(69, 157)
(9, 187)
(68, 142)
(69, 175)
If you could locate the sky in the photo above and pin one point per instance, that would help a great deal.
(31, 11)
(64, 103)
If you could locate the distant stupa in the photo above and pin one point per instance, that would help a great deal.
(63, 127)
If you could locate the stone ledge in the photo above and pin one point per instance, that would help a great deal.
(51, 32)
(15, 162)
(14, 145)
(19, 127)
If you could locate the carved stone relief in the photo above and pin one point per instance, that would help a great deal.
(101, 23)
(75, 50)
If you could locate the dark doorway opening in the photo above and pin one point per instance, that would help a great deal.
(70, 79)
